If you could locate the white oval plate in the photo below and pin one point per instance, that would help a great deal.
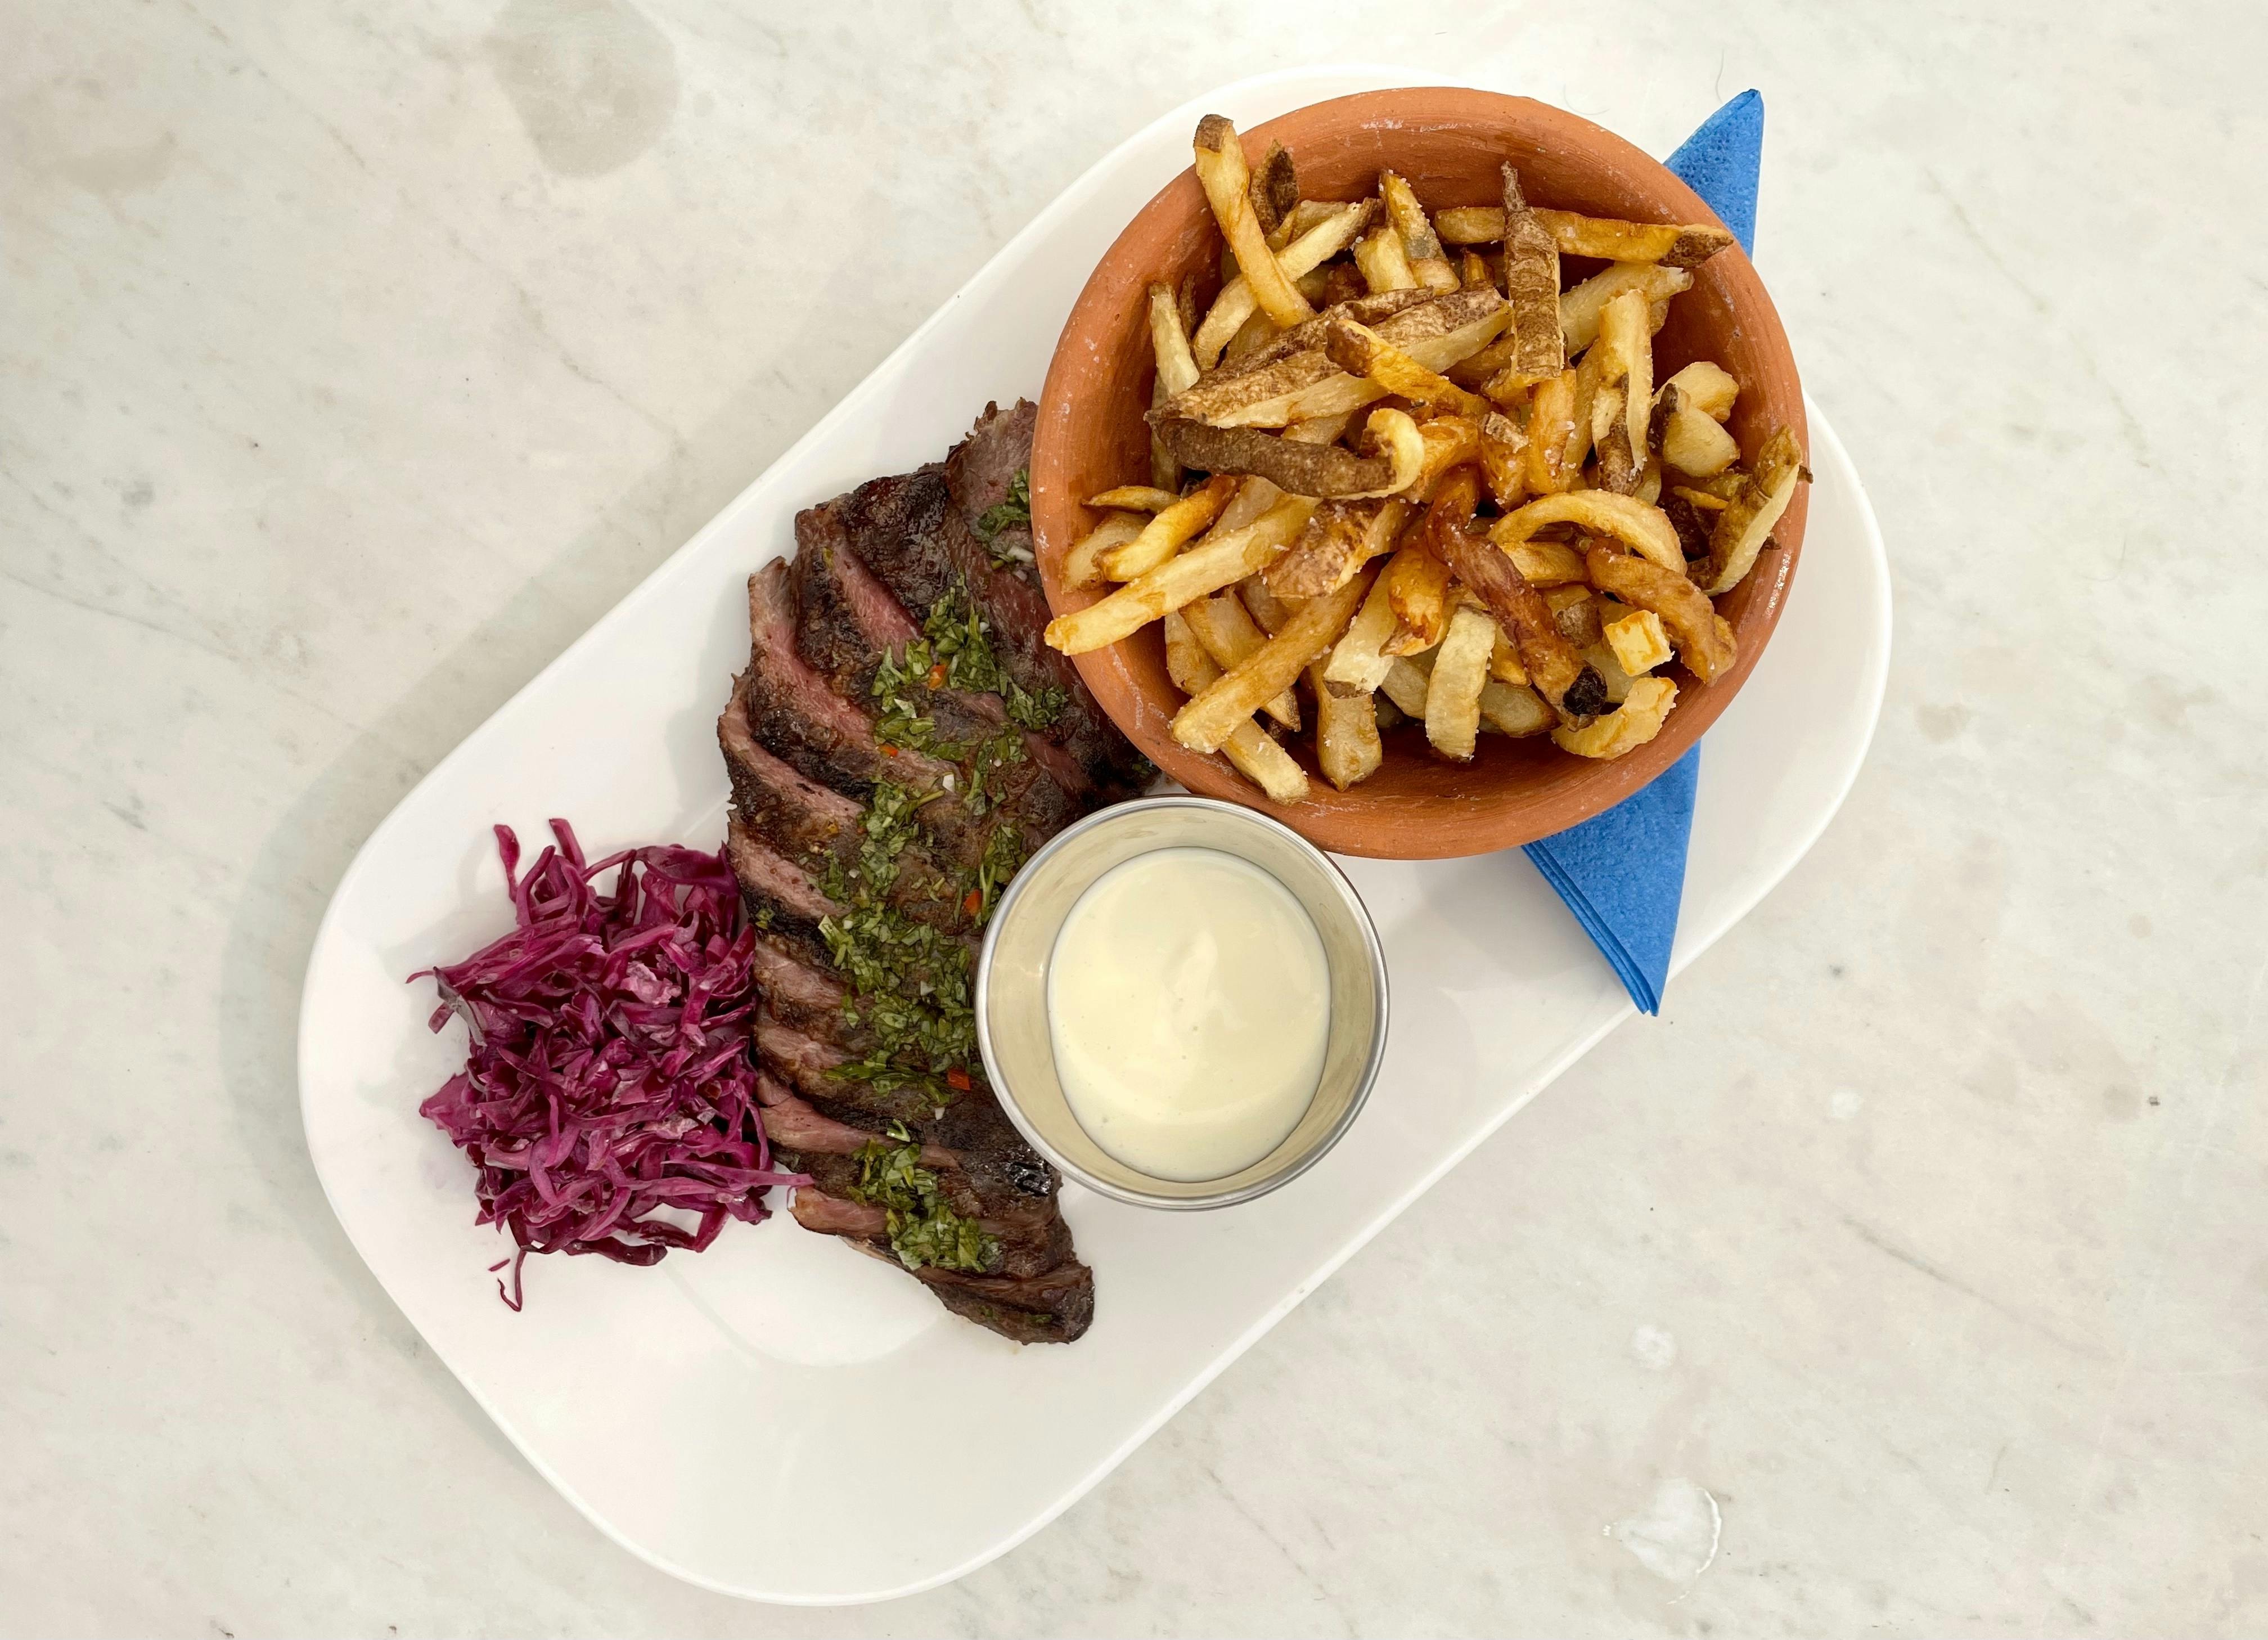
(737, 1418)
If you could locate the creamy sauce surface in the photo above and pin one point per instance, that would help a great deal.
(1188, 998)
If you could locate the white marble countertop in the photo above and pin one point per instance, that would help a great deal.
(353, 361)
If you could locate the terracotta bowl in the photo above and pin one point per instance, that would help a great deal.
(1448, 143)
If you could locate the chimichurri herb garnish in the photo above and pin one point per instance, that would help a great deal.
(911, 982)
(956, 652)
(1016, 510)
(922, 1229)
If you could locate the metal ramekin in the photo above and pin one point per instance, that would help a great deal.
(1012, 990)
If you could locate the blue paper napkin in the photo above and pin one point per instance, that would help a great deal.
(1623, 873)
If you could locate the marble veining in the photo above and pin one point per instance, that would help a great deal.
(1906, 1276)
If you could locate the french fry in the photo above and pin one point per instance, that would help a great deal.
(1292, 465)
(1270, 610)
(1555, 671)
(1222, 172)
(1363, 307)
(1389, 715)
(1274, 189)
(1743, 528)
(1184, 521)
(1266, 764)
(1547, 562)
(1627, 341)
(1694, 443)
(1170, 343)
(1703, 638)
(1304, 215)
(1164, 471)
(1221, 560)
(1358, 662)
(1626, 728)
(1230, 635)
(1550, 425)
(1576, 613)
(1259, 331)
(1420, 245)
(1616, 473)
(1473, 272)
(1082, 565)
(1639, 642)
(1238, 301)
(1417, 587)
(1686, 245)
(1384, 266)
(1581, 307)
(1513, 709)
(1347, 746)
(1504, 459)
(1600, 659)
(1406, 684)
(1319, 429)
(1393, 434)
(1453, 696)
(1361, 351)
(1339, 539)
(1645, 530)
(1135, 498)
(1295, 386)
(1503, 662)
(1187, 663)
(1208, 719)
(1531, 283)
(1700, 498)
(1709, 388)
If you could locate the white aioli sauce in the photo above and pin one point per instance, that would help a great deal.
(1189, 1002)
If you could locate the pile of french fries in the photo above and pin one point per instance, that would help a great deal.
(1399, 474)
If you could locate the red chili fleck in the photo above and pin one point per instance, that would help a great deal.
(936, 676)
(972, 903)
(889, 752)
(958, 1078)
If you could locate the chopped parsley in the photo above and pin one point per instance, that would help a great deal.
(1014, 512)
(922, 1229)
(956, 652)
(911, 983)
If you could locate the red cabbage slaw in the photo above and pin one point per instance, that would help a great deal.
(611, 1072)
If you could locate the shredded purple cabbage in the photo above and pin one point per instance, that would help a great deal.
(611, 1072)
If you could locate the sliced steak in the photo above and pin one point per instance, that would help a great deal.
(849, 622)
(815, 824)
(982, 467)
(1031, 1237)
(908, 531)
(781, 899)
(1057, 1308)
(800, 741)
(791, 1122)
(1000, 1165)
(795, 714)
(982, 471)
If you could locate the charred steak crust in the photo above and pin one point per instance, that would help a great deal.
(800, 743)
(922, 543)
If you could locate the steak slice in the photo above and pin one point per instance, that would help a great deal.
(816, 824)
(848, 621)
(780, 894)
(908, 531)
(982, 471)
(1057, 1308)
(797, 715)
(1031, 1237)
(1001, 1166)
